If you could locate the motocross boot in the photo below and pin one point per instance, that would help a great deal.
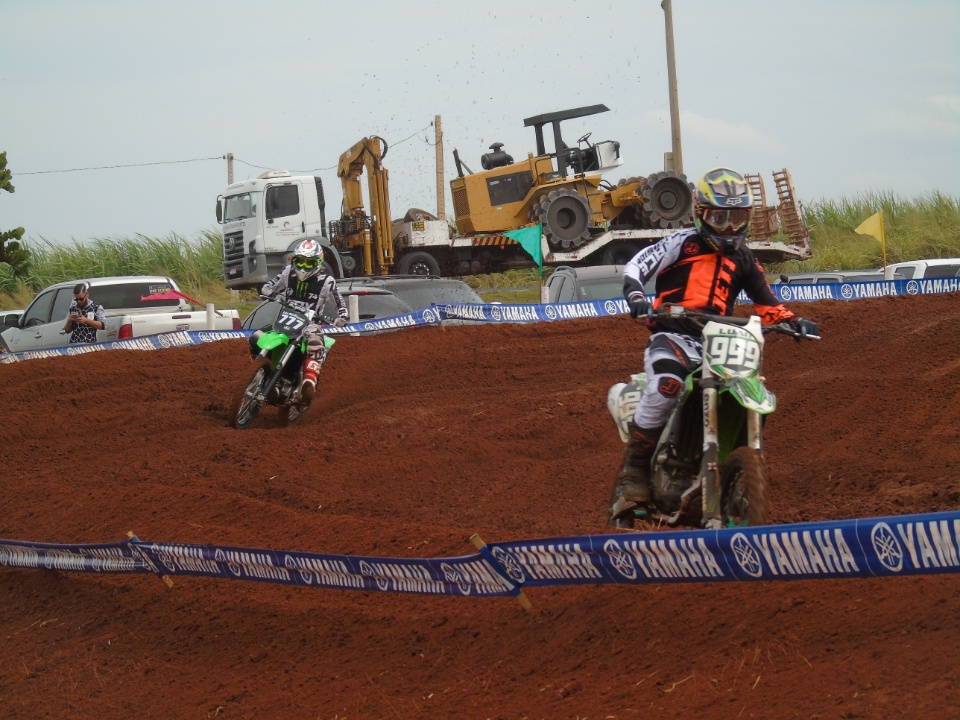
(311, 370)
(632, 487)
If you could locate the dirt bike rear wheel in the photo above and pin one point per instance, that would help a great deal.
(290, 415)
(245, 407)
(743, 495)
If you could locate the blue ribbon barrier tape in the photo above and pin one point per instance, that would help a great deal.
(926, 544)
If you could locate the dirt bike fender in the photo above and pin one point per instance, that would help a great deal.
(752, 394)
(622, 401)
(272, 340)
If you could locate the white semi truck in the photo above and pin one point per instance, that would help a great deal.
(263, 221)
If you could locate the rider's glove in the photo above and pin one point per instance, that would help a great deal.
(639, 305)
(804, 327)
(340, 322)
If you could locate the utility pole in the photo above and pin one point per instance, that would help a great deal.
(441, 198)
(229, 157)
(676, 158)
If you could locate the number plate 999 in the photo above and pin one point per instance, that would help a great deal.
(735, 352)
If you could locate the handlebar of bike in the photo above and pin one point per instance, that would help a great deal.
(668, 311)
(311, 313)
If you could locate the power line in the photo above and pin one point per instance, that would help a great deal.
(113, 167)
(334, 167)
(217, 157)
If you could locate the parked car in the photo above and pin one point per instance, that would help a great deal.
(418, 291)
(373, 303)
(594, 282)
(134, 305)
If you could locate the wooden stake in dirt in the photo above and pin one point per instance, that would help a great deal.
(166, 579)
(482, 547)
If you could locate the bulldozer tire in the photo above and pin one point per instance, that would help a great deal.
(565, 217)
(418, 263)
(668, 200)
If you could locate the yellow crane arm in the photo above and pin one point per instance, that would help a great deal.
(368, 154)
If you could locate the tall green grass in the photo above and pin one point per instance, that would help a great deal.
(194, 263)
(924, 227)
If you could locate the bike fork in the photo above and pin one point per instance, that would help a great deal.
(710, 465)
(277, 372)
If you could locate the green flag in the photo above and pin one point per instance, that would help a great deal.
(529, 239)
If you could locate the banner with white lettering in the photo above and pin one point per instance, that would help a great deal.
(926, 544)
(499, 313)
(183, 338)
(789, 292)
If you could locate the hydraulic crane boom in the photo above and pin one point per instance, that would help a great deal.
(355, 228)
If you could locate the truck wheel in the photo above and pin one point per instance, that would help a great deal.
(618, 253)
(419, 263)
(565, 217)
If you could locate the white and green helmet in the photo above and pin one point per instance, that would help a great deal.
(307, 260)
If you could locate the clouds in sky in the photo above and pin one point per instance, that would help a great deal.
(851, 95)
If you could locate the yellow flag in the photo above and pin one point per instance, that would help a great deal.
(872, 226)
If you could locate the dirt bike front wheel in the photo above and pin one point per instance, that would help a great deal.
(743, 495)
(245, 406)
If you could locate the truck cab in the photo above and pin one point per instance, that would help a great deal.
(264, 220)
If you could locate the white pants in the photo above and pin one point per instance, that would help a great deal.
(667, 361)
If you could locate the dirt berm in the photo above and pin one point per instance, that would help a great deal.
(420, 438)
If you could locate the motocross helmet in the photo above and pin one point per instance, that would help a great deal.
(307, 260)
(722, 207)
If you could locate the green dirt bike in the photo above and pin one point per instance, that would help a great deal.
(707, 469)
(278, 371)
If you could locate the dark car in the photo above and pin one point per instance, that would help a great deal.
(595, 282)
(373, 303)
(418, 291)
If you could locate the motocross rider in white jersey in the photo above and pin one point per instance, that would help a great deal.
(304, 282)
(704, 268)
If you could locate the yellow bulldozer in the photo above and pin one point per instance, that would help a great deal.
(564, 189)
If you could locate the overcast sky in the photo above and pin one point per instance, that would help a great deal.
(851, 96)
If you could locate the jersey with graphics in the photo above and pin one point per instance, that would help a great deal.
(312, 293)
(691, 273)
(86, 333)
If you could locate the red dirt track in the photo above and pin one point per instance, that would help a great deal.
(421, 438)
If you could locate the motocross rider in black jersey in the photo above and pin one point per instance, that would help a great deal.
(704, 268)
(304, 282)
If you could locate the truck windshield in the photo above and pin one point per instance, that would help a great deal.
(239, 207)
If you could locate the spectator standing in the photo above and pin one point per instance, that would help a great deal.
(85, 318)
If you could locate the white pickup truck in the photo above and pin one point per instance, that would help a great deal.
(135, 305)
(918, 269)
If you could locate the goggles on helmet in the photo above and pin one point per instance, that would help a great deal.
(305, 263)
(727, 219)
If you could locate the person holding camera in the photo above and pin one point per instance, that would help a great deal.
(85, 318)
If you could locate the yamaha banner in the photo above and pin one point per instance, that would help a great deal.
(788, 292)
(873, 547)
(498, 313)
